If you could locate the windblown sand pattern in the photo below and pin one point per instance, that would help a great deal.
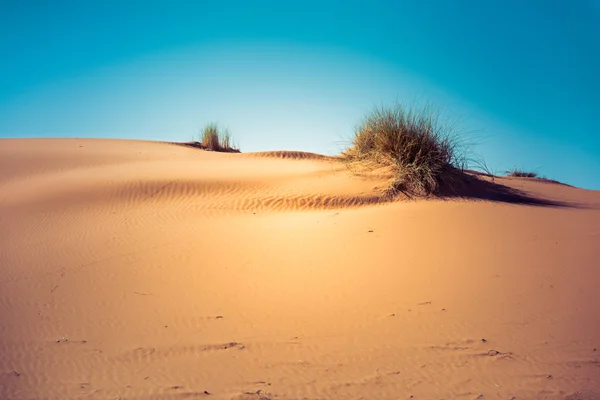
(145, 270)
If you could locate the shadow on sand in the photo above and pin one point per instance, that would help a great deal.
(476, 186)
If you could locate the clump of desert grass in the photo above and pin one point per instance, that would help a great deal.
(212, 138)
(517, 173)
(424, 156)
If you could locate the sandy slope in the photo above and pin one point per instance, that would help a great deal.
(175, 273)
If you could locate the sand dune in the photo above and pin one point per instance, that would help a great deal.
(145, 270)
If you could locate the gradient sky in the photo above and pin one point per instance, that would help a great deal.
(523, 77)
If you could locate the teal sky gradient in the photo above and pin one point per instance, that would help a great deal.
(522, 75)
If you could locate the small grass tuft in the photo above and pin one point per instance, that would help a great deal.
(521, 174)
(425, 156)
(213, 139)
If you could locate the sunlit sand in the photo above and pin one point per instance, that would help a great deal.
(139, 270)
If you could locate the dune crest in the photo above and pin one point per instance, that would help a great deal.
(293, 155)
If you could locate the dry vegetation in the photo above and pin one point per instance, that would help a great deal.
(213, 139)
(426, 157)
(521, 174)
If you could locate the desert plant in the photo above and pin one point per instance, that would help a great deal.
(424, 154)
(521, 174)
(479, 163)
(210, 137)
(213, 139)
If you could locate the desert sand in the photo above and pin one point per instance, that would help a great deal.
(147, 270)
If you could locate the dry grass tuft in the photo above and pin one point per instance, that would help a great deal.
(215, 140)
(424, 156)
(521, 174)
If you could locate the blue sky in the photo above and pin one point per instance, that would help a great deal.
(523, 76)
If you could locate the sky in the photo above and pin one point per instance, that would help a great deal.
(520, 78)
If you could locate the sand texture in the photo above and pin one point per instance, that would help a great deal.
(146, 270)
